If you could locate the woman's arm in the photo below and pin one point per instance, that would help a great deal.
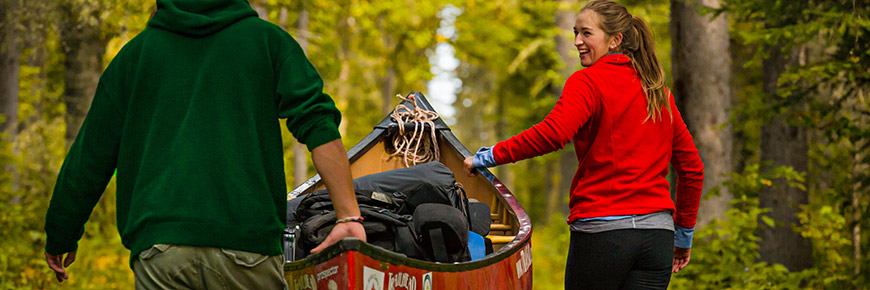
(690, 180)
(574, 108)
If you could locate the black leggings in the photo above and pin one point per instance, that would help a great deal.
(620, 259)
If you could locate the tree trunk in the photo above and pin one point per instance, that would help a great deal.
(502, 172)
(261, 10)
(782, 145)
(345, 54)
(388, 82)
(10, 55)
(568, 53)
(83, 65)
(300, 152)
(388, 90)
(282, 17)
(702, 76)
(856, 214)
(552, 186)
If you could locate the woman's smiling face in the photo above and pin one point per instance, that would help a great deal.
(592, 43)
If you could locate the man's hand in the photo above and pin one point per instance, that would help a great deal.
(468, 165)
(331, 162)
(58, 263)
(681, 258)
(341, 231)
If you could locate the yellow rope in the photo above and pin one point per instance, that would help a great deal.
(414, 148)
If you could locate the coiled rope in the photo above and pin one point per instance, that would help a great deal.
(415, 147)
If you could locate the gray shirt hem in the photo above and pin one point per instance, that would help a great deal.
(658, 220)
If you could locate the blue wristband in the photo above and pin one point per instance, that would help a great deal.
(683, 237)
(484, 158)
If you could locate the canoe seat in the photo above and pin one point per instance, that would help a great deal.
(500, 239)
(499, 227)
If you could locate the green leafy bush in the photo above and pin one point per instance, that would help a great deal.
(725, 252)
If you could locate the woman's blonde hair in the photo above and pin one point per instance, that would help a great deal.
(637, 43)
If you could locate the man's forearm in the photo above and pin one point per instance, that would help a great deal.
(331, 162)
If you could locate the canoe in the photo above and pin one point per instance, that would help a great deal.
(353, 264)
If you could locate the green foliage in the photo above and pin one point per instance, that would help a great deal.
(533, 187)
(23, 202)
(352, 43)
(724, 255)
(506, 68)
(355, 44)
(18, 262)
(725, 252)
(823, 90)
(33, 158)
(510, 67)
(550, 251)
(827, 229)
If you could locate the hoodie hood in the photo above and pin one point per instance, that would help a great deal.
(199, 17)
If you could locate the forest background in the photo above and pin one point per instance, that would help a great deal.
(774, 92)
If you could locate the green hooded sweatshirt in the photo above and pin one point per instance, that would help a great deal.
(188, 114)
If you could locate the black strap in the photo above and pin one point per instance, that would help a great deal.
(438, 247)
(464, 204)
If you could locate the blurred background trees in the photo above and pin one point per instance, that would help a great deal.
(774, 92)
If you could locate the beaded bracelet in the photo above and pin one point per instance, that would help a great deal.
(358, 219)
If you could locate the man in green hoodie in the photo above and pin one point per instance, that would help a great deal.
(187, 114)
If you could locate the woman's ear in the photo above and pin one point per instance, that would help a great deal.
(615, 40)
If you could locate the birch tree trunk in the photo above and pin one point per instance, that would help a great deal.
(702, 76)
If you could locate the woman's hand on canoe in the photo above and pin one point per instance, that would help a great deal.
(468, 165)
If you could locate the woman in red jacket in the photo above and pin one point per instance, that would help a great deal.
(626, 232)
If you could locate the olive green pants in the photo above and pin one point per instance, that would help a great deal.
(185, 267)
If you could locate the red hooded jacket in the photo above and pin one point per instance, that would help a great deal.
(623, 158)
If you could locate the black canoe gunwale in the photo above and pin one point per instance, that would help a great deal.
(522, 237)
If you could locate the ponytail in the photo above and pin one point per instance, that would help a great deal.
(646, 64)
(637, 43)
